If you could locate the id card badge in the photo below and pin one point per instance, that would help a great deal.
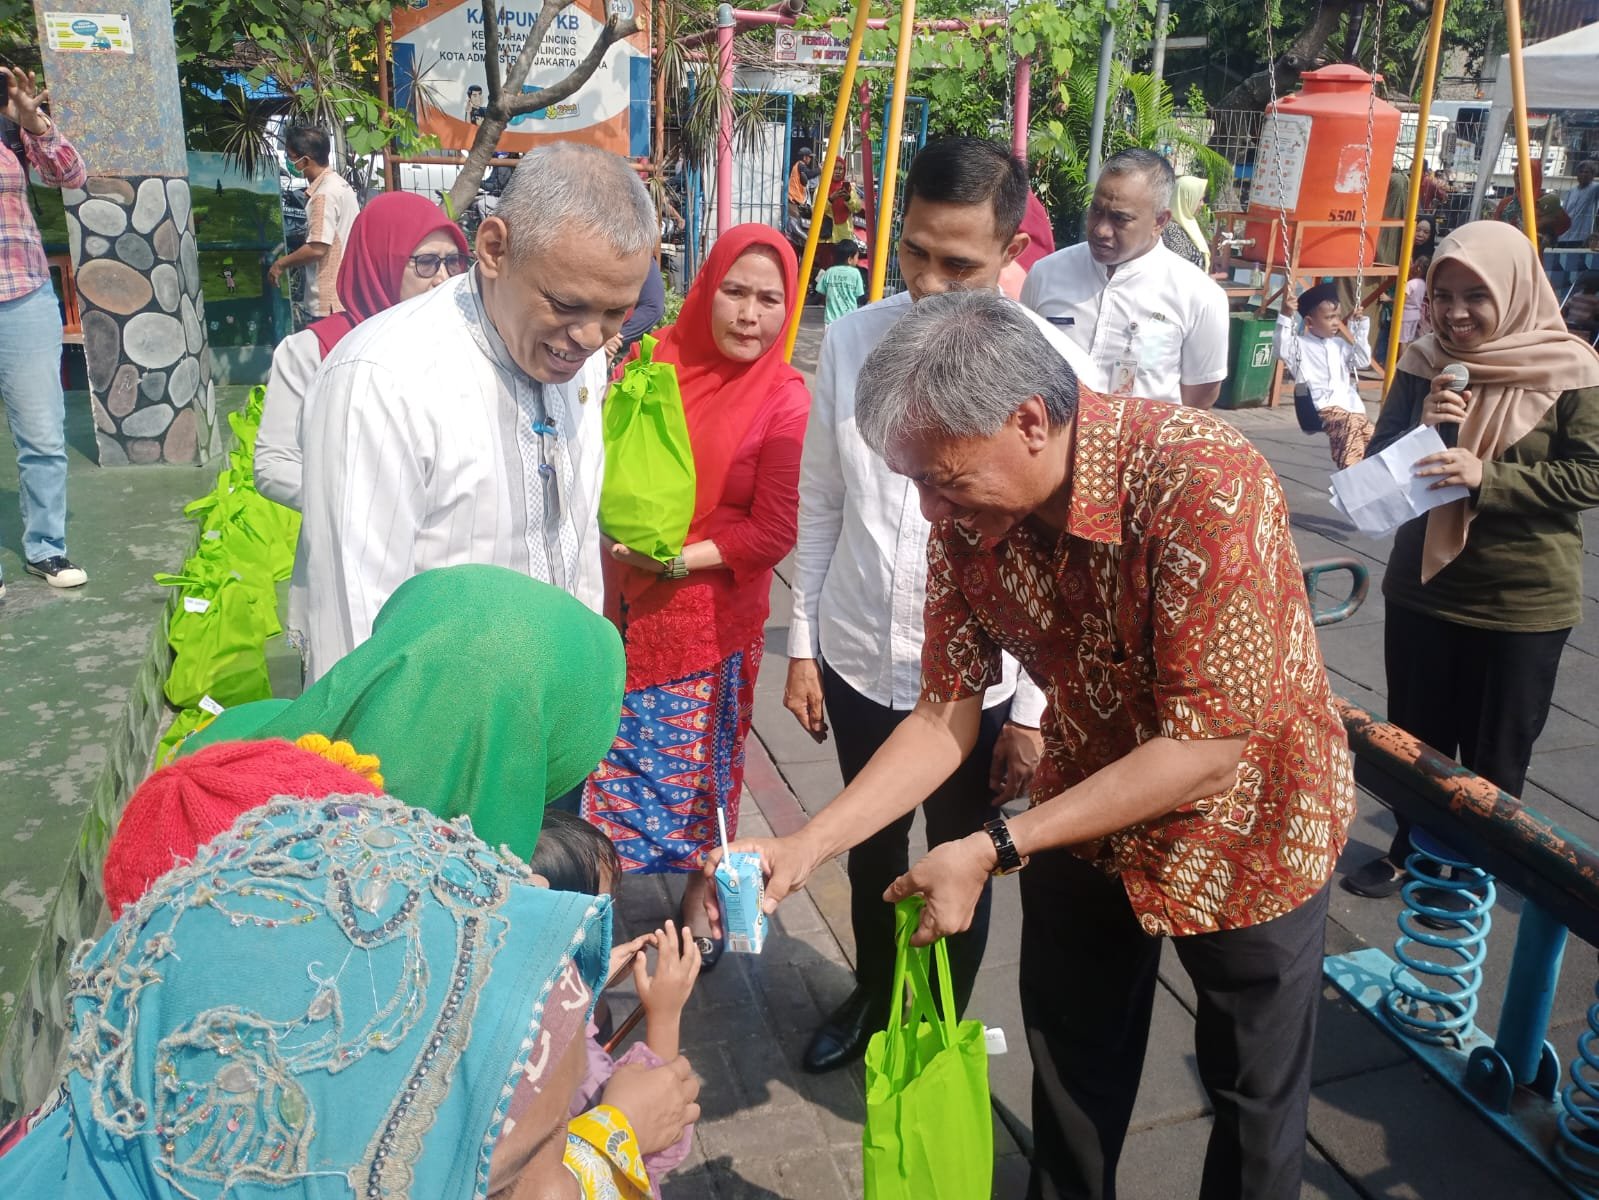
(1123, 376)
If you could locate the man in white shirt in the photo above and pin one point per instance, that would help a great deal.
(1580, 205)
(860, 577)
(464, 425)
(331, 206)
(1154, 324)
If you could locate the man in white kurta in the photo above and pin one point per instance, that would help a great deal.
(464, 425)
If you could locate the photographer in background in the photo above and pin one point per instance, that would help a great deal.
(30, 328)
(330, 208)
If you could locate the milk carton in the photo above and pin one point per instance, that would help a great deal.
(740, 890)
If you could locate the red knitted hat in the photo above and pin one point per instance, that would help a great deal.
(183, 806)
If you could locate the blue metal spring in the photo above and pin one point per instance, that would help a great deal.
(1439, 973)
(1578, 1146)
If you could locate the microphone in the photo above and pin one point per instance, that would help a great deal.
(1459, 380)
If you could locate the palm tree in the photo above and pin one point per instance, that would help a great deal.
(1141, 114)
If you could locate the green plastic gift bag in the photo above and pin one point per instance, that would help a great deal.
(217, 633)
(929, 1132)
(647, 500)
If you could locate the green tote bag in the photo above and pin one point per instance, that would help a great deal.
(647, 501)
(929, 1131)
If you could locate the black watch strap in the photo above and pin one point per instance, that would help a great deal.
(1010, 860)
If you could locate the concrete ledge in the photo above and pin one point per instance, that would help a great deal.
(34, 1038)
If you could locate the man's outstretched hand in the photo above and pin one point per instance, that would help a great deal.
(951, 878)
(786, 863)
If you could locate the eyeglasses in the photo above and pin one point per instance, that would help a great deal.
(427, 266)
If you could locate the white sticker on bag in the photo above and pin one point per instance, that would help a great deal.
(994, 1041)
(211, 706)
(196, 604)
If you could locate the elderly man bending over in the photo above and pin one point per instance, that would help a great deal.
(1136, 559)
(464, 425)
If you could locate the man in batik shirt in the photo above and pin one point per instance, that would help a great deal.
(1136, 559)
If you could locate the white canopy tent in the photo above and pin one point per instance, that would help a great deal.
(1560, 74)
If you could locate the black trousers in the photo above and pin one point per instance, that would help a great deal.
(1088, 977)
(1480, 696)
(860, 726)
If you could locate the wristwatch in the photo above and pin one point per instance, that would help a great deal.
(676, 568)
(1010, 861)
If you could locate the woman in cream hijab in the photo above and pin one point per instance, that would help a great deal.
(1184, 236)
(1482, 593)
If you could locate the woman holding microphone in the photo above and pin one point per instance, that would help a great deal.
(1482, 593)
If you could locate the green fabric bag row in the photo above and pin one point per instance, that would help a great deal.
(929, 1132)
(647, 500)
(218, 634)
(235, 509)
(190, 720)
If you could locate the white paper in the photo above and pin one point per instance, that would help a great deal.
(1383, 492)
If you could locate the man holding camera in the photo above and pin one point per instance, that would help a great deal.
(30, 328)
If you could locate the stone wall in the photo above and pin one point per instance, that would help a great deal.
(138, 277)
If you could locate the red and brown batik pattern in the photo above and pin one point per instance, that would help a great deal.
(1172, 606)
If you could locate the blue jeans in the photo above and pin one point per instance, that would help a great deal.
(30, 385)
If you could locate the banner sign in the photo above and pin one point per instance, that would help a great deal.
(438, 74)
(89, 31)
(808, 48)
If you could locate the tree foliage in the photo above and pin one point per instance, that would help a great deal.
(19, 36)
(1142, 114)
(321, 54)
(968, 73)
(1311, 33)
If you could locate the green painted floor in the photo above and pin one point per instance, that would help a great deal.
(67, 660)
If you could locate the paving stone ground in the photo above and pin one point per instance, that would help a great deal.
(1380, 1125)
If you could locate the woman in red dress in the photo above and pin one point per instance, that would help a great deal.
(694, 626)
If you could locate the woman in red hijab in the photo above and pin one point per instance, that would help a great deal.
(693, 627)
(400, 246)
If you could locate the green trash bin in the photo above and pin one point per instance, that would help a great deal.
(1249, 361)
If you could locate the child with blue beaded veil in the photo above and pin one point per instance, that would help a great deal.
(1324, 359)
(574, 856)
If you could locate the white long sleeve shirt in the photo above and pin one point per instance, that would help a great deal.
(860, 565)
(278, 461)
(421, 451)
(1326, 366)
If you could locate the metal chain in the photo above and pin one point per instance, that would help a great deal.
(1365, 192)
(1282, 211)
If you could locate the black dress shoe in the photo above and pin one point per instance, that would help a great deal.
(1376, 880)
(842, 1038)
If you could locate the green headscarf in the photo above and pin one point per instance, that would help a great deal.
(481, 691)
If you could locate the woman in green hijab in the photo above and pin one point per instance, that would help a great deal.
(482, 693)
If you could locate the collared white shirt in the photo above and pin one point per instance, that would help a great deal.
(426, 446)
(1157, 311)
(278, 460)
(860, 565)
(1325, 365)
(1580, 205)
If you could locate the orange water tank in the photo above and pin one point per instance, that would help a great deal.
(1313, 164)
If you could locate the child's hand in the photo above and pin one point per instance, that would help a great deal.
(663, 995)
(1290, 303)
(677, 966)
(622, 955)
(1360, 312)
